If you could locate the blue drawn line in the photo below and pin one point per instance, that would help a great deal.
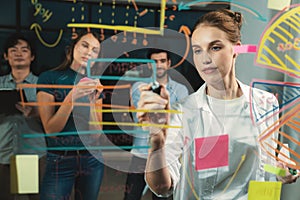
(285, 98)
(35, 135)
(123, 78)
(186, 6)
(123, 60)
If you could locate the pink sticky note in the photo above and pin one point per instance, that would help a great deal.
(248, 48)
(85, 79)
(211, 152)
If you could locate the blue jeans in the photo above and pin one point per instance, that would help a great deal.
(83, 171)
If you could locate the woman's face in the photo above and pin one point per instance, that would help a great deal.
(86, 48)
(213, 54)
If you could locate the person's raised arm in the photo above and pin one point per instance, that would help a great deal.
(96, 106)
(52, 121)
(156, 172)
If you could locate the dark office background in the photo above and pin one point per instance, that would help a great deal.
(44, 20)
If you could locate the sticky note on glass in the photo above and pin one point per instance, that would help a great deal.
(278, 4)
(211, 152)
(264, 190)
(274, 170)
(247, 48)
(24, 174)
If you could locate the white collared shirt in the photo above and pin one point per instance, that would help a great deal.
(246, 158)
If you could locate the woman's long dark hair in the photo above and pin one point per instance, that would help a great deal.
(70, 49)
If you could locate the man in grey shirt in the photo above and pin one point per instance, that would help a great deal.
(19, 54)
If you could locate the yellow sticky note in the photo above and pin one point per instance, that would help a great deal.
(274, 170)
(24, 174)
(264, 190)
(278, 4)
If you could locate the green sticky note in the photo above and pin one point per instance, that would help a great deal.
(274, 170)
(264, 190)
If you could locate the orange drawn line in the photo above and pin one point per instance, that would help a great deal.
(172, 17)
(295, 122)
(278, 151)
(270, 154)
(289, 137)
(74, 104)
(21, 86)
(134, 5)
(293, 126)
(279, 123)
(289, 149)
(144, 12)
(270, 130)
(278, 159)
(186, 32)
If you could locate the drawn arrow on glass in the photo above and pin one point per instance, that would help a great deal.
(37, 28)
(186, 6)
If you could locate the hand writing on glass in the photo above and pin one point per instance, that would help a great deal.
(87, 86)
(150, 101)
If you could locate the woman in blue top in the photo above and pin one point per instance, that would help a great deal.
(69, 163)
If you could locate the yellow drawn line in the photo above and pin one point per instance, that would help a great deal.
(266, 58)
(162, 16)
(189, 181)
(127, 28)
(292, 26)
(137, 110)
(285, 31)
(235, 173)
(271, 39)
(279, 67)
(191, 186)
(292, 61)
(296, 21)
(275, 57)
(119, 28)
(280, 36)
(281, 19)
(38, 28)
(226, 187)
(133, 124)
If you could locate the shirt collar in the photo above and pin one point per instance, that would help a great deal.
(170, 83)
(28, 79)
(245, 90)
(200, 94)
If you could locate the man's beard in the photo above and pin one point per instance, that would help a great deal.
(162, 75)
